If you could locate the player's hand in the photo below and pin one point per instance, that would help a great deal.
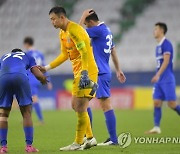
(42, 69)
(120, 76)
(49, 86)
(155, 78)
(87, 13)
(44, 80)
(84, 80)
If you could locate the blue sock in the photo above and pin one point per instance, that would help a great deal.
(90, 115)
(111, 125)
(177, 109)
(3, 136)
(28, 135)
(38, 111)
(157, 116)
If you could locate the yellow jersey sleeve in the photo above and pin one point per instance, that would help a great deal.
(77, 35)
(61, 58)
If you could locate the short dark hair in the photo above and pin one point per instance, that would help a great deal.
(93, 16)
(29, 40)
(162, 26)
(16, 50)
(58, 10)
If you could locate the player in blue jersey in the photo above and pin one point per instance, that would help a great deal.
(103, 48)
(14, 81)
(164, 80)
(34, 83)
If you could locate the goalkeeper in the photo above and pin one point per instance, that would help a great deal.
(75, 45)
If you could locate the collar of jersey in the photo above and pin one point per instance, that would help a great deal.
(162, 40)
(100, 23)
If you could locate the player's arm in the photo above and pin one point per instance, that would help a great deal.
(166, 59)
(38, 74)
(85, 14)
(94, 31)
(34, 69)
(49, 84)
(56, 62)
(120, 75)
(77, 37)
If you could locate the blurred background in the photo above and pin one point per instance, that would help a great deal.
(132, 23)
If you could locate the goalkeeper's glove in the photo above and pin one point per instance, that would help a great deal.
(84, 80)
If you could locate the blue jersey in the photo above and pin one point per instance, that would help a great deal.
(39, 59)
(16, 62)
(165, 47)
(102, 42)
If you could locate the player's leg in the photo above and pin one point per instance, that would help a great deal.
(80, 107)
(90, 115)
(170, 96)
(83, 125)
(80, 102)
(23, 96)
(6, 98)
(110, 121)
(36, 105)
(173, 105)
(103, 94)
(158, 96)
(4, 114)
(37, 108)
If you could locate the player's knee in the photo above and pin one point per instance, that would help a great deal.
(26, 111)
(34, 99)
(157, 104)
(4, 117)
(172, 105)
(73, 106)
(105, 104)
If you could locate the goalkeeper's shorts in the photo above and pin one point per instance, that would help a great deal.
(76, 91)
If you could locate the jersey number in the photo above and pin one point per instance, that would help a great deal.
(108, 43)
(16, 55)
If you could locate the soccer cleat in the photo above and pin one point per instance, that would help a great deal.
(89, 143)
(72, 147)
(107, 143)
(155, 130)
(4, 149)
(30, 148)
(84, 139)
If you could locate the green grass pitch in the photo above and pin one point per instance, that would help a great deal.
(59, 131)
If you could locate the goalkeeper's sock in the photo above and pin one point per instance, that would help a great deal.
(177, 109)
(90, 115)
(38, 111)
(81, 127)
(28, 135)
(3, 136)
(157, 116)
(111, 125)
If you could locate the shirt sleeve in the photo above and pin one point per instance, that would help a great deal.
(32, 61)
(78, 36)
(61, 58)
(94, 31)
(167, 48)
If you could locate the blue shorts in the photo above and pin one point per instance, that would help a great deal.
(103, 90)
(14, 84)
(164, 91)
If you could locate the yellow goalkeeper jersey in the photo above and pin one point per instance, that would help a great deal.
(76, 46)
